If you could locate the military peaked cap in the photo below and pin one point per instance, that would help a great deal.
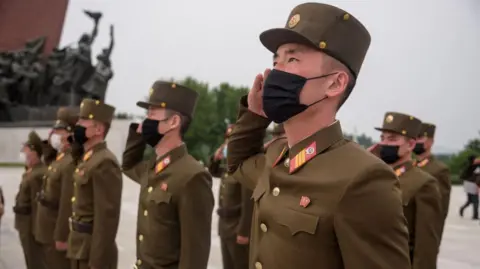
(427, 130)
(34, 142)
(96, 110)
(326, 28)
(66, 119)
(399, 123)
(172, 96)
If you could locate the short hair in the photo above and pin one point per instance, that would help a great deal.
(332, 63)
(184, 120)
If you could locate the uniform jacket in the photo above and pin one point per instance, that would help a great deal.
(439, 171)
(96, 203)
(25, 202)
(179, 204)
(422, 208)
(54, 201)
(323, 203)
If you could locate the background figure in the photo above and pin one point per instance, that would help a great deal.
(470, 187)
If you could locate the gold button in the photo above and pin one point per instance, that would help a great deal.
(163, 104)
(346, 16)
(140, 237)
(73, 214)
(258, 265)
(287, 162)
(139, 262)
(75, 184)
(276, 191)
(150, 189)
(90, 116)
(49, 168)
(44, 176)
(145, 213)
(73, 199)
(322, 45)
(404, 132)
(263, 227)
(77, 170)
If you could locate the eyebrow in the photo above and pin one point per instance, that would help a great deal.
(287, 52)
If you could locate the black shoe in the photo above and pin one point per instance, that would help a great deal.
(460, 212)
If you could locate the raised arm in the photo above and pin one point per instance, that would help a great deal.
(246, 158)
(133, 164)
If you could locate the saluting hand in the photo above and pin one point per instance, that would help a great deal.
(219, 153)
(255, 95)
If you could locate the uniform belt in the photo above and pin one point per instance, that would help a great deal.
(44, 202)
(22, 210)
(229, 212)
(81, 227)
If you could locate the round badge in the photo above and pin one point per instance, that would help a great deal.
(310, 150)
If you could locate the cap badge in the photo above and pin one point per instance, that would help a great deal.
(389, 119)
(150, 92)
(294, 20)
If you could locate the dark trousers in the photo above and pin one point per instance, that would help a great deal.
(472, 199)
(234, 256)
(32, 250)
(55, 259)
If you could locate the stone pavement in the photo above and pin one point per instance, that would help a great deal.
(459, 248)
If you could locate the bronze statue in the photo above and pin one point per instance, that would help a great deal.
(33, 86)
(96, 86)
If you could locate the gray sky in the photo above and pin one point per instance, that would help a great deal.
(423, 59)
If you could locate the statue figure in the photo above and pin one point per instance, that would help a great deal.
(97, 84)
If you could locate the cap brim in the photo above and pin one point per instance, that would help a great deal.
(392, 131)
(146, 105)
(274, 38)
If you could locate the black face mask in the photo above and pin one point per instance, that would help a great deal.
(419, 149)
(281, 95)
(79, 134)
(389, 154)
(150, 131)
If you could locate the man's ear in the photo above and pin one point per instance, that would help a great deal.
(176, 121)
(411, 143)
(338, 84)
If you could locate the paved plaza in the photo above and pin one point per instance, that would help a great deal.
(459, 247)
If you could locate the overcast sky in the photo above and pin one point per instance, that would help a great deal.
(424, 57)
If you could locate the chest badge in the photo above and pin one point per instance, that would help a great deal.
(60, 156)
(304, 201)
(164, 186)
(400, 171)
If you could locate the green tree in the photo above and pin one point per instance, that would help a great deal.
(365, 140)
(458, 161)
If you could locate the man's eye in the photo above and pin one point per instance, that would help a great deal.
(292, 60)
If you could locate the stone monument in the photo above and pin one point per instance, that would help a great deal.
(32, 87)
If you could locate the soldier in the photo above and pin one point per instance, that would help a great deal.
(420, 191)
(433, 166)
(97, 192)
(234, 210)
(25, 208)
(178, 199)
(54, 205)
(320, 200)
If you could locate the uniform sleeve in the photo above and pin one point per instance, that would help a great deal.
(195, 208)
(133, 164)
(214, 167)
(245, 157)
(107, 196)
(245, 222)
(62, 230)
(369, 222)
(445, 188)
(427, 201)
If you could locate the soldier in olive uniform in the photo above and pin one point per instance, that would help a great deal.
(420, 191)
(54, 205)
(97, 192)
(434, 167)
(234, 210)
(178, 200)
(25, 208)
(320, 200)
